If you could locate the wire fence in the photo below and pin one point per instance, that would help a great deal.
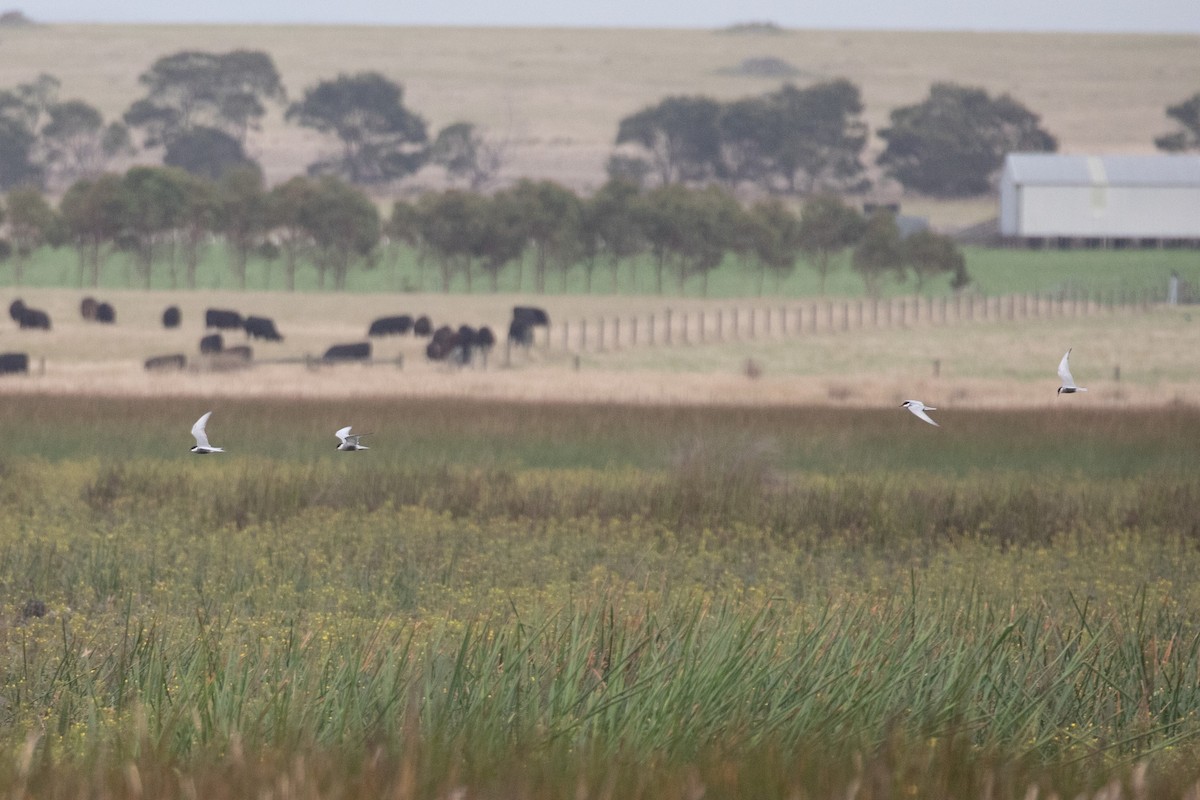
(748, 322)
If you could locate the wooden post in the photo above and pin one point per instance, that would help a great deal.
(667, 333)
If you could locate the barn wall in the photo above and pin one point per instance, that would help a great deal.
(1152, 212)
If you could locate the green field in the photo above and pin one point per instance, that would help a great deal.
(993, 272)
(542, 600)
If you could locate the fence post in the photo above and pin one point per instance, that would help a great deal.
(783, 321)
(734, 324)
(566, 332)
(667, 332)
(600, 334)
(582, 335)
(702, 337)
(651, 326)
(845, 315)
(633, 332)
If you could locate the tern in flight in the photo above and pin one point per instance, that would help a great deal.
(348, 440)
(918, 408)
(1064, 374)
(202, 446)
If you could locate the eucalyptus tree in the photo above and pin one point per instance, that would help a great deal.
(447, 221)
(201, 219)
(819, 137)
(380, 140)
(287, 207)
(679, 138)
(930, 254)
(244, 215)
(609, 227)
(953, 143)
(688, 231)
(465, 154)
(76, 143)
(345, 226)
(774, 239)
(879, 253)
(552, 215)
(31, 221)
(17, 165)
(403, 228)
(1186, 115)
(827, 227)
(501, 235)
(201, 106)
(155, 205)
(94, 212)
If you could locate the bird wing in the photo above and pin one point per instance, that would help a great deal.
(920, 412)
(1064, 372)
(343, 433)
(199, 432)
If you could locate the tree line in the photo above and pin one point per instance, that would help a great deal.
(165, 218)
(199, 109)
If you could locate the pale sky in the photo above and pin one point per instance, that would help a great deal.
(1151, 16)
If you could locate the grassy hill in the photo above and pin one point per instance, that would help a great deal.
(555, 96)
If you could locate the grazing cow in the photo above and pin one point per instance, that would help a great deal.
(34, 318)
(87, 308)
(520, 333)
(422, 326)
(385, 326)
(222, 319)
(106, 313)
(12, 363)
(531, 316)
(165, 363)
(213, 343)
(171, 317)
(484, 338)
(16, 309)
(262, 328)
(358, 351)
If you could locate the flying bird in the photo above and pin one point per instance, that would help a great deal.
(202, 446)
(1064, 374)
(349, 441)
(918, 409)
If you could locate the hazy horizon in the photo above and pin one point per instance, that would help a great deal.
(1102, 16)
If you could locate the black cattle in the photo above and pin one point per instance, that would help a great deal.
(213, 343)
(423, 326)
(164, 363)
(16, 309)
(222, 319)
(106, 313)
(385, 326)
(241, 352)
(484, 338)
(358, 351)
(171, 317)
(520, 333)
(440, 350)
(262, 328)
(34, 318)
(87, 308)
(531, 316)
(12, 363)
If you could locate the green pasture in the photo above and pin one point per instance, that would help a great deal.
(1110, 273)
(536, 600)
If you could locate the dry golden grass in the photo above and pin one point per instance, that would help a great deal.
(981, 364)
(556, 96)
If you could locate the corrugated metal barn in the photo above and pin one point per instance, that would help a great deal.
(1106, 198)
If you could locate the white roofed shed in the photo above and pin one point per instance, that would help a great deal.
(1046, 195)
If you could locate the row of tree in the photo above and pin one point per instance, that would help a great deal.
(199, 108)
(167, 216)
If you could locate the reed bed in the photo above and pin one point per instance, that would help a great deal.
(707, 612)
